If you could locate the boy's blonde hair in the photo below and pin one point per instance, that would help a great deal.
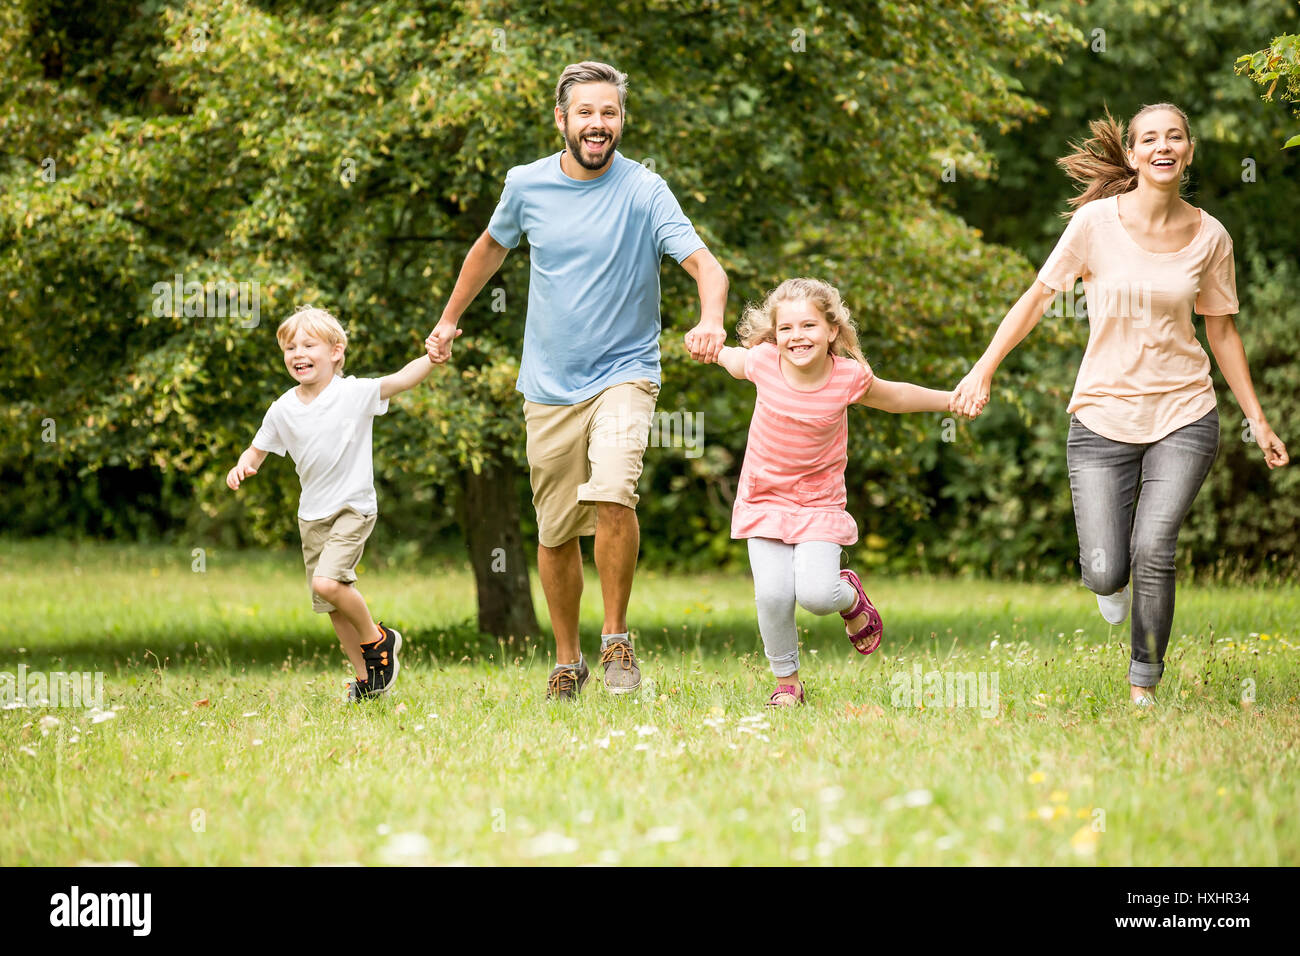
(758, 324)
(315, 322)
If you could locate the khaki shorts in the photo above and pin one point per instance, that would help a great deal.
(332, 547)
(585, 453)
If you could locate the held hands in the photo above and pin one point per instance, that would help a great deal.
(972, 393)
(1274, 451)
(438, 344)
(955, 406)
(705, 342)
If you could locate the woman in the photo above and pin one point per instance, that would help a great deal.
(1144, 428)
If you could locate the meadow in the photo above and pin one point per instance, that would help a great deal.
(992, 727)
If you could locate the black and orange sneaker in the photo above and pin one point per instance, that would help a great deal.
(381, 660)
(359, 690)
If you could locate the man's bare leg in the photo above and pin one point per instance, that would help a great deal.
(560, 569)
(618, 538)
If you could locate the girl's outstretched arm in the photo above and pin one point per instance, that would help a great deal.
(733, 360)
(904, 397)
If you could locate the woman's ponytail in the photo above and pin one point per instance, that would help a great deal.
(1099, 164)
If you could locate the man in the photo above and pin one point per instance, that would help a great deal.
(597, 225)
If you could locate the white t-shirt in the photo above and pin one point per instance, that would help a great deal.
(329, 442)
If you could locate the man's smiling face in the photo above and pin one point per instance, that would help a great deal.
(593, 125)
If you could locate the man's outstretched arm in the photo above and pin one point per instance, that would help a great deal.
(482, 262)
(705, 341)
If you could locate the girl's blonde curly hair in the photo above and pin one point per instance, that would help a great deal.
(758, 324)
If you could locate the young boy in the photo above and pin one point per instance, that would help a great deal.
(324, 423)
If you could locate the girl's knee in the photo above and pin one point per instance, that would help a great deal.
(819, 598)
(774, 604)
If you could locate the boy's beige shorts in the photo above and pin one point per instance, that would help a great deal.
(332, 547)
(585, 453)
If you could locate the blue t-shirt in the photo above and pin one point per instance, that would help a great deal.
(593, 289)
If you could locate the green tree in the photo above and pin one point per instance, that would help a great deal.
(1277, 63)
(347, 155)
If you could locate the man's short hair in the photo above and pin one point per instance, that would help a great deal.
(588, 71)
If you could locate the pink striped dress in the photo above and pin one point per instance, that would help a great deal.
(792, 482)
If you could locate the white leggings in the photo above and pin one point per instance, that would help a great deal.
(808, 572)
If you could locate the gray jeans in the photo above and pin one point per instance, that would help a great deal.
(1129, 502)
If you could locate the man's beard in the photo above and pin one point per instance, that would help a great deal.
(576, 146)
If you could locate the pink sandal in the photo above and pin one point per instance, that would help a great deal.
(874, 628)
(793, 690)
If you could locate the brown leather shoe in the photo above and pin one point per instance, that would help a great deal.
(565, 682)
(622, 675)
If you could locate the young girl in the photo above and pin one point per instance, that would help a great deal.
(800, 349)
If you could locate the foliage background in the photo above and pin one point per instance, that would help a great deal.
(348, 154)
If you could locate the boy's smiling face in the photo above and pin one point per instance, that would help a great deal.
(311, 360)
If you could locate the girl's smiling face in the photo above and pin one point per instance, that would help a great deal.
(803, 336)
(1161, 148)
(310, 359)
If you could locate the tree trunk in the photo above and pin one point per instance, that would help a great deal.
(490, 517)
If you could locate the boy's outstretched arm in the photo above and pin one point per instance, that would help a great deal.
(733, 360)
(905, 397)
(248, 463)
(482, 262)
(411, 375)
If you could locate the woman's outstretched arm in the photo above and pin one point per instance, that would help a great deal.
(972, 393)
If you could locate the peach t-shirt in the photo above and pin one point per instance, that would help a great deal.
(1144, 374)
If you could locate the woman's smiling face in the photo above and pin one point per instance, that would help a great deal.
(1161, 148)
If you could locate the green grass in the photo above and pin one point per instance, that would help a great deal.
(467, 763)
